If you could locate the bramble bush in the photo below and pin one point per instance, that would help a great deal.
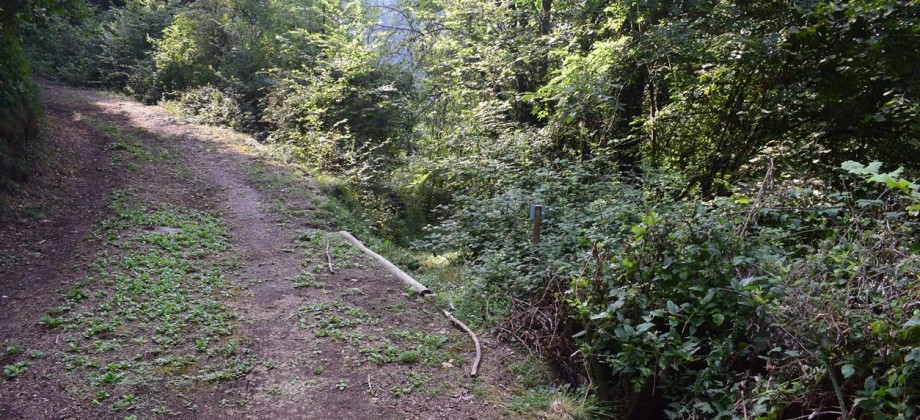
(801, 298)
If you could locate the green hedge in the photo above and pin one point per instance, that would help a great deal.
(20, 110)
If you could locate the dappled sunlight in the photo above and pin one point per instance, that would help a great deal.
(439, 261)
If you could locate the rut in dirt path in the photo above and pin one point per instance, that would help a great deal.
(305, 343)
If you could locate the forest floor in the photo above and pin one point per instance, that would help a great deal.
(156, 268)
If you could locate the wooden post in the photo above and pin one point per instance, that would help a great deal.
(537, 223)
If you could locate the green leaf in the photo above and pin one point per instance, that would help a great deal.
(718, 319)
(860, 169)
(622, 333)
(847, 370)
(704, 407)
(672, 307)
(901, 184)
(911, 323)
(600, 315)
(638, 230)
(913, 356)
(868, 203)
(641, 328)
(711, 293)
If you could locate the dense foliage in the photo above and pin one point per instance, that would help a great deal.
(763, 305)
(717, 243)
(19, 106)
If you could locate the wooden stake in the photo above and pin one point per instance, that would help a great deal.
(475, 370)
(422, 290)
(537, 223)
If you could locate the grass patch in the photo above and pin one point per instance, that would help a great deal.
(129, 146)
(307, 279)
(157, 291)
(530, 372)
(15, 370)
(550, 403)
(409, 347)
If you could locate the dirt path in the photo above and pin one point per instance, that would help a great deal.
(165, 269)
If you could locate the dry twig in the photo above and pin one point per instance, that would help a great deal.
(329, 259)
(475, 370)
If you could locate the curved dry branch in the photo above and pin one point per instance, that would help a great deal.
(475, 370)
(329, 258)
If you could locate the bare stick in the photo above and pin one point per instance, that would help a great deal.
(475, 371)
(422, 290)
(329, 258)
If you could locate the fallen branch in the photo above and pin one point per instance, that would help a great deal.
(329, 258)
(421, 289)
(475, 370)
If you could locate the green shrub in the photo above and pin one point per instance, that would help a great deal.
(182, 57)
(343, 119)
(126, 39)
(408, 357)
(801, 294)
(15, 370)
(66, 46)
(20, 109)
(209, 105)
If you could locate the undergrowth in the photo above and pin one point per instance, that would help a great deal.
(20, 108)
